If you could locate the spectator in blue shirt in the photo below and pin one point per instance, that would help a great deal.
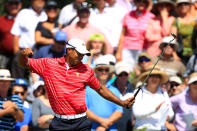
(20, 88)
(103, 113)
(56, 50)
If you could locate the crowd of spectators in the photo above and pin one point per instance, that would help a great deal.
(125, 39)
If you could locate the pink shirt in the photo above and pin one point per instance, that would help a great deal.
(156, 30)
(74, 31)
(135, 26)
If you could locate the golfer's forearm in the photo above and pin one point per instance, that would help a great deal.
(23, 60)
(107, 94)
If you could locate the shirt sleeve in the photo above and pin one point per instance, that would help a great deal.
(38, 65)
(39, 26)
(93, 81)
(17, 100)
(16, 28)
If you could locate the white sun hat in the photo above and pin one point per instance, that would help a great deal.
(78, 45)
(5, 75)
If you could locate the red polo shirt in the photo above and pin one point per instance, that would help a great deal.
(65, 87)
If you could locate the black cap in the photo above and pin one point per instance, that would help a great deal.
(51, 4)
(84, 6)
(13, 1)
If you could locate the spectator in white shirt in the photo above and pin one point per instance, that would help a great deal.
(68, 13)
(24, 31)
(152, 107)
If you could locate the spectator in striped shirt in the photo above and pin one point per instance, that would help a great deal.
(65, 79)
(10, 105)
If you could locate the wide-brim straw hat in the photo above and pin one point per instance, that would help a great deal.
(156, 71)
(5, 75)
(192, 78)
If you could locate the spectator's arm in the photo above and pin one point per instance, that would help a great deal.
(6, 111)
(19, 115)
(120, 45)
(42, 40)
(35, 112)
(106, 123)
(16, 44)
(44, 121)
(194, 123)
(115, 116)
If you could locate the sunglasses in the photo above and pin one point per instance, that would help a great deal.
(155, 75)
(144, 1)
(13, 3)
(171, 45)
(101, 69)
(173, 85)
(144, 60)
(51, 8)
(123, 74)
(194, 83)
(181, 4)
(17, 93)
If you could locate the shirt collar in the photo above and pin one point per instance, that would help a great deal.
(62, 60)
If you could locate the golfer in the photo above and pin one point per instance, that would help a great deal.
(65, 79)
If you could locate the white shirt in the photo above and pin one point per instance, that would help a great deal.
(67, 13)
(144, 109)
(25, 25)
(109, 22)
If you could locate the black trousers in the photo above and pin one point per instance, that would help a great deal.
(80, 124)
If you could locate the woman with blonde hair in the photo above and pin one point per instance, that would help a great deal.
(97, 47)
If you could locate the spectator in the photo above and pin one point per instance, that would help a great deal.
(6, 46)
(103, 113)
(97, 47)
(175, 86)
(10, 106)
(132, 39)
(39, 89)
(191, 66)
(159, 26)
(194, 9)
(185, 106)
(154, 100)
(127, 4)
(55, 50)
(183, 27)
(167, 62)
(46, 30)
(144, 61)
(24, 32)
(42, 113)
(122, 84)
(83, 29)
(20, 88)
(108, 19)
(68, 14)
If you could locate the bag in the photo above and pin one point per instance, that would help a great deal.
(179, 39)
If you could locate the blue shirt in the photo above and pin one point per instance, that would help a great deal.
(47, 52)
(100, 106)
(7, 122)
(27, 119)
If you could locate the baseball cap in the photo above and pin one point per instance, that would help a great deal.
(60, 36)
(122, 67)
(20, 82)
(84, 6)
(175, 79)
(166, 40)
(78, 45)
(13, 1)
(183, 1)
(51, 4)
(97, 37)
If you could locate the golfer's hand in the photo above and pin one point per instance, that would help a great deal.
(128, 102)
(27, 52)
